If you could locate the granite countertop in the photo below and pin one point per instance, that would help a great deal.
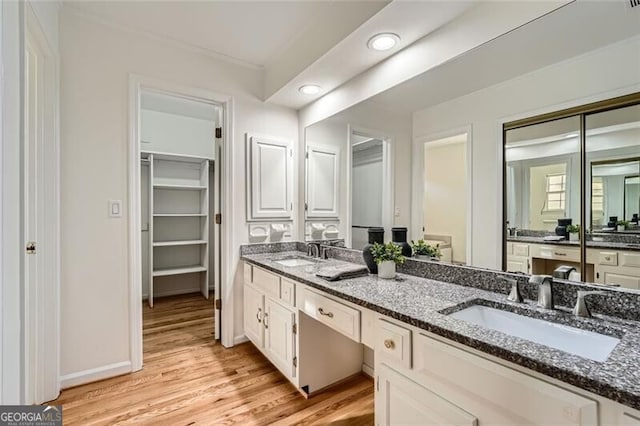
(590, 244)
(421, 302)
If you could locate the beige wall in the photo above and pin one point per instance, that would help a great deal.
(445, 195)
(96, 61)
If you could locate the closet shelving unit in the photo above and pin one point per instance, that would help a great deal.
(179, 219)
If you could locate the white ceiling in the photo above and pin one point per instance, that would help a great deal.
(249, 32)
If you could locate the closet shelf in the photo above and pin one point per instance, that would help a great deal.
(180, 215)
(184, 187)
(179, 270)
(178, 243)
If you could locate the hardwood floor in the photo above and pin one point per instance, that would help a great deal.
(188, 379)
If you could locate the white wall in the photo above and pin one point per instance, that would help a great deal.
(96, 61)
(445, 195)
(600, 74)
(176, 134)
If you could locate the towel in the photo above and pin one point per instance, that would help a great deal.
(335, 273)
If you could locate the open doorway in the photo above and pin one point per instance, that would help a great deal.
(180, 151)
(446, 194)
(371, 198)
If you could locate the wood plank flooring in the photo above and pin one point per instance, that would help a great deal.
(188, 379)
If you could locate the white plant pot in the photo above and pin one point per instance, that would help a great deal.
(574, 236)
(620, 227)
(387, 269)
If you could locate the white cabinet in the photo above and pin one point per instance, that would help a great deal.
(279, 341)
(518, 264)
(254, 315)
(178, 200)
(322, 177)
(400, 401)
(270, 177)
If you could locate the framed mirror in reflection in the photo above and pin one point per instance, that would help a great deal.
(615, 196)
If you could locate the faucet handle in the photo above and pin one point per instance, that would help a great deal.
(582, 309)
(514, 294)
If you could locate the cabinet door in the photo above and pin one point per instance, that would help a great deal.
(400, 401)
(323, 166)
(253, 315)
(517, 264)
(279, 337)
(270, 179)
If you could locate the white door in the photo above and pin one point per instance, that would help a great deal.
(400, 401)
(254, 315)
(323, 167)
(217, 211)
(279, 337)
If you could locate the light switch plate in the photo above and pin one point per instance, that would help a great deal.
(115, 208)
(397, 212)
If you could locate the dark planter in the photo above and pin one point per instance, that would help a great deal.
(613, 222)
(376, 235)
(399, 236)
(561, 229)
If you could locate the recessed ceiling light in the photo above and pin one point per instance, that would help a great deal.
(383, 41)
(310, 89)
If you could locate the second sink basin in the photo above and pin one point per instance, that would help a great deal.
(584, 343)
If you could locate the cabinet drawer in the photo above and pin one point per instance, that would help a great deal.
(393, 344)
(630, 259)
(553, 252)
(488, 388)
(624, 281)
(248, 273)
(341, 318)
(608, 258)
(287, 291)
(520, 249)
(266, 281)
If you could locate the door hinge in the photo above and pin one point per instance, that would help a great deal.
(291, 153)
(218, 132)
(306, 155)
(218, 304)
(31, 247)
(378, 383)
(294, 328)
(295, 361)
(306, 206)
(218, 218)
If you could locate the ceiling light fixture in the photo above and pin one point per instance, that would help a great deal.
(383, 41)
(310, 89)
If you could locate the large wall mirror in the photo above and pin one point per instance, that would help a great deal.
(426, 154)
(566, 169)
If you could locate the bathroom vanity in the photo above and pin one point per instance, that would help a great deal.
(430, 365)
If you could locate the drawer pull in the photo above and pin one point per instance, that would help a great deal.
(607, 258)
(266, 323)
(560, 254)
(389, 344)
(327, 314)
(259, 315)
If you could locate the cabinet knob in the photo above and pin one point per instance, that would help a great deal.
(607, 258)
(389, 344)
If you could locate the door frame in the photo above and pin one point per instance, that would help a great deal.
(137, 84)
(388, 176)
(417, 216)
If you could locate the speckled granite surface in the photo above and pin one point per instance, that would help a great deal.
(420, 301)
(590, 244)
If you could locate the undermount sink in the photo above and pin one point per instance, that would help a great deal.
(295, 261)
(584, 343)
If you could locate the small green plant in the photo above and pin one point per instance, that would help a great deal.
(573, 229)
(385, 252)
(624, 223)
(421, 248)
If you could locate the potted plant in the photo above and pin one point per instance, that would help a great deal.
(574, 232)
(422, 250)
(622, 225)
(386, 256)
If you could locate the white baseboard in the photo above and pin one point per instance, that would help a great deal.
(240, 339)
(368, 370)
(95, 374)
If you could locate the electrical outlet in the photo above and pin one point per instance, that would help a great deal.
(115, 208)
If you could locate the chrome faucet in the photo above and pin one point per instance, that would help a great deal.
(582, 309)
(545, 290)
(514, 294)
(313, 250)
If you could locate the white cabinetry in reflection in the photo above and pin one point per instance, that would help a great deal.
(323, 174)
